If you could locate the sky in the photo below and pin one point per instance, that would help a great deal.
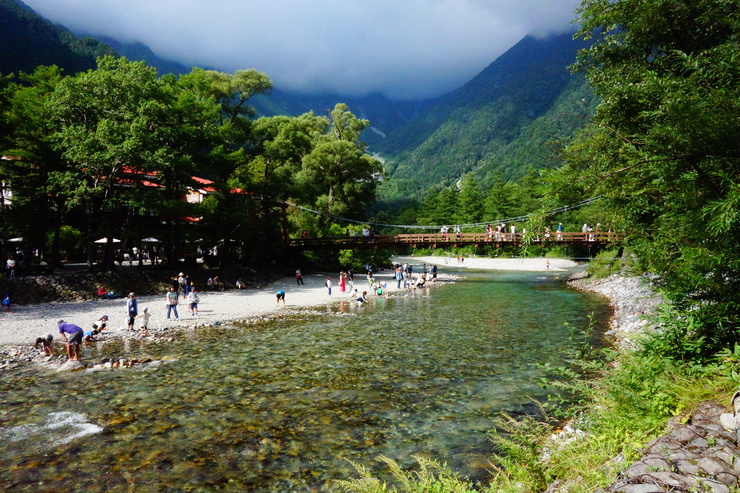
(404, 49)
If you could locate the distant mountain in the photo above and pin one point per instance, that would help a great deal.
(28, 40)
(386, 116)
(501, 120)
(511, 117)
(138, 52)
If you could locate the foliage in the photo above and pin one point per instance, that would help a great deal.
(662, 151)
(431, 477)
(112, 152)
(510, 118)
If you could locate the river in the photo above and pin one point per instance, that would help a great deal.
(285, 405)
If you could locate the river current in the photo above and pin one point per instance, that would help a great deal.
(286, 405)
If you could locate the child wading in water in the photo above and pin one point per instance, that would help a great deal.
(145, 316)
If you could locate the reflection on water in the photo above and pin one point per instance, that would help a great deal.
(281, 406)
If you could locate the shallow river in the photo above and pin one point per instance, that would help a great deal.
(282, 406)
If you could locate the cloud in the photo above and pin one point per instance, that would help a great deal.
(405, 49)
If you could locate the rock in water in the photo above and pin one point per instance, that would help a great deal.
(70, 366)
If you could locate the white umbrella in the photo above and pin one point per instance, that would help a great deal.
(15, 240)
(150, 240)
(105, 240)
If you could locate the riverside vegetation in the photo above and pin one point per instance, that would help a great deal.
(661, 152)
(603, 410)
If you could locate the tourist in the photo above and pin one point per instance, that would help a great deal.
(44, 344)
(171, 303)
(362, 298)
(145, 316)
(103, 322)
(399, 277)
(328, 285)
(182, 283)
(434, 273)
(7, 299)
(298, 276)
(280, 295)
(89, 336)
(193, 301)
(240, 284)
(104, 294)
(132, 309)
(342, 282)
(72, 335)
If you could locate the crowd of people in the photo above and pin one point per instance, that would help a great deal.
(181, 289)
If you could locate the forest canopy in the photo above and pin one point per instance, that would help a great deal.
(114, 151)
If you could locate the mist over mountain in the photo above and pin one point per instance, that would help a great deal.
(513, 116)
(28, 40)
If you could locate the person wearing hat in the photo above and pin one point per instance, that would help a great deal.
(72, 335)
(103, 322)
(132, 309)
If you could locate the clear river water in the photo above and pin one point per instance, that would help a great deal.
(287, 404)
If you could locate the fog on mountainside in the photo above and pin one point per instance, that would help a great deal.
(511, 117)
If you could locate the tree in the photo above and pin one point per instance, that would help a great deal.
(337, 171)
(662, 150)
(470, 207)
(115, 123)
(37, 208)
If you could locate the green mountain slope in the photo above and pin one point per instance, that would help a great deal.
(27, 41)
(501, 120)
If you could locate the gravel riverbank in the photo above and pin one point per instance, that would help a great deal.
(699, 451)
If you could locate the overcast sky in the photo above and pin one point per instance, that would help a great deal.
(405, 49)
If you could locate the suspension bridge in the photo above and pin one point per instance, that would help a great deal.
(441, 240)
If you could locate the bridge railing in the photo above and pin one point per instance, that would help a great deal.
(435, 239)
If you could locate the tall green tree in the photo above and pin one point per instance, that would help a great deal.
(118, 121)
(37, 208)
(470, 207)
(337, 171)
(662, 150)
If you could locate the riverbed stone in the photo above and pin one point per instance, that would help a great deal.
(71, 366)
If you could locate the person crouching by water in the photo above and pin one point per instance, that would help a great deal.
(72, 335)
(89, 336)
(280, 295)
(362, 298)
(44, 344)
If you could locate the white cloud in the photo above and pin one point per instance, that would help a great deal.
(405, 49)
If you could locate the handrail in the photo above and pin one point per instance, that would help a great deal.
(435, 239)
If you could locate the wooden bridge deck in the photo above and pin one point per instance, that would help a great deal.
(439, 240)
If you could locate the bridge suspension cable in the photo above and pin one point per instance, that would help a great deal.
(552, 212)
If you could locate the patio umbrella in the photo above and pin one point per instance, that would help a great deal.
(105, 240)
